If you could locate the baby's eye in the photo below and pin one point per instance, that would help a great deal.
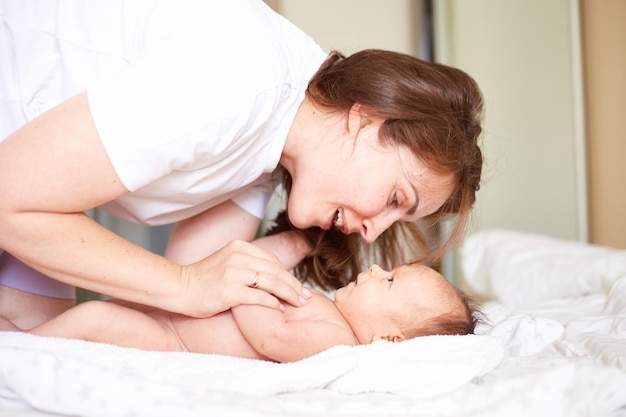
(390, 280)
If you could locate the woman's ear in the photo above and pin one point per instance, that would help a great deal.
(359, 116)
(356, 108)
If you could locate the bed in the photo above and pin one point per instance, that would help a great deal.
(554, 345)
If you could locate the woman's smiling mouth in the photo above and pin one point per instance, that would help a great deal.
(338, 220)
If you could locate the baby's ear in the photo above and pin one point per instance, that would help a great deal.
(389, 338)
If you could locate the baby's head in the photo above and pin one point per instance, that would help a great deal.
(409, 301)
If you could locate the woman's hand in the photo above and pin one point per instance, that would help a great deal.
(239, 273)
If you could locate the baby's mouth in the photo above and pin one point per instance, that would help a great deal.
(338, 222)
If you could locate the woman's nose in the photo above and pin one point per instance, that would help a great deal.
(375, 226)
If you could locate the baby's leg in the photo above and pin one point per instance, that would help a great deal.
(24, 310)
(106, 322)
(8, 326)
(29, 298)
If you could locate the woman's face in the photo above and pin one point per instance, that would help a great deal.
(357, 185)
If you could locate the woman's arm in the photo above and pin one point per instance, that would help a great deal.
(53, 169)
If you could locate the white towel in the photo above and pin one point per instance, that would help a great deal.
(72, 376)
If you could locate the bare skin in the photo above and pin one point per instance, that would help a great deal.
(36, 309)
(150, 329)
(377, 305)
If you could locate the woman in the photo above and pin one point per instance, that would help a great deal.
(174, 112)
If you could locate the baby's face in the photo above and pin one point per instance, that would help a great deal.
(380, 299)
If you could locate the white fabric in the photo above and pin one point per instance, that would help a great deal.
(522, 269)
(560, 357)
(120, 377)
(192, 99)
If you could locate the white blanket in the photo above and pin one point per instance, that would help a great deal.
(71, 376)
(522, 270)
(555, 346)
(578, 289)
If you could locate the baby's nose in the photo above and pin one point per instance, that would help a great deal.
(375, 270)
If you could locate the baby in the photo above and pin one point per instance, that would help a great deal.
(412, 300)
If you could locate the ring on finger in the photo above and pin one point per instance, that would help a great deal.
(255, 281)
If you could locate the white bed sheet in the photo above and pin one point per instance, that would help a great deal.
(555, 346)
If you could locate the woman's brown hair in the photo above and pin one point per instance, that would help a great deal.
(433, 110)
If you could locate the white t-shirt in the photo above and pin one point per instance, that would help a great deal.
(192, 99)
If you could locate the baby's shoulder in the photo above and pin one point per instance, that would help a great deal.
(318, 307)
(321, 300)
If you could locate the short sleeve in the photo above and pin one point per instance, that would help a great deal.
(254, 199)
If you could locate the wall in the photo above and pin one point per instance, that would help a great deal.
(604, 40)
(352, 25)
(526, 56)
(553, 77)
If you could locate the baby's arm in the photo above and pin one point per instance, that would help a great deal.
(107, 322)
(289, 247)
(282, 340)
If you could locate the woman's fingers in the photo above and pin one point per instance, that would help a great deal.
(239, 273)
(270, 274)
(273, 284)
(260, 297)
